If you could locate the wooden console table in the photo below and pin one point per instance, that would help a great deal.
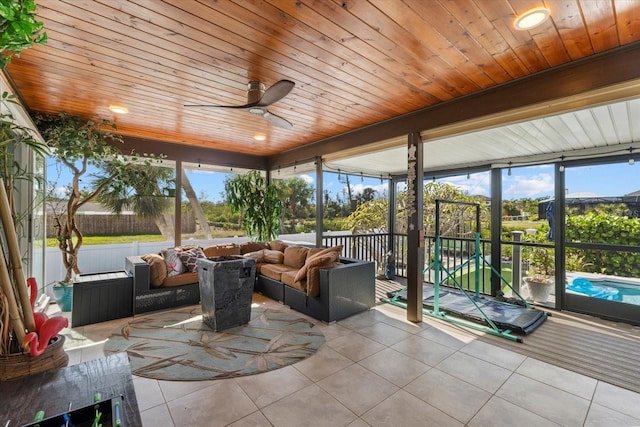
(52, 391)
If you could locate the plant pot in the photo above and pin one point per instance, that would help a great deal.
(18, 365)
(539, 289)
(63, 296)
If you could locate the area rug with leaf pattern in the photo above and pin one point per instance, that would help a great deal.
(178, 345)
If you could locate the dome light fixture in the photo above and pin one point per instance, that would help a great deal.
(259, 137)
(531, 18)
(118, 109)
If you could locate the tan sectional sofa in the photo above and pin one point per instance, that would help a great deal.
(315, 281)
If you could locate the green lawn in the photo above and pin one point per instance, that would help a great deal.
(111, 240)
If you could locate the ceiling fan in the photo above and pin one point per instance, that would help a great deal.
(258, 99)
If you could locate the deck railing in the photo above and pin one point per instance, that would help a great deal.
(454, 257)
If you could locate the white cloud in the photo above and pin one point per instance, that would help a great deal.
(307, 178)
(476, 184)
(61, 191)
(529, 186)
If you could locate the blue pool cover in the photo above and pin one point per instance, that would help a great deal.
(583, 286)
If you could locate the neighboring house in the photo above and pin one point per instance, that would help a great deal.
(584, 201)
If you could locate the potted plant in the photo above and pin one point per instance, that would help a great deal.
(540, 279)
(20, 328)
(63, 293)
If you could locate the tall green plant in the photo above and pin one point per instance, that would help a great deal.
(258, 205)
(19, 28)
(77, 144)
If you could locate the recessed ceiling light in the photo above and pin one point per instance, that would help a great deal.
(531, 18)
(259, 137)
(118, 109)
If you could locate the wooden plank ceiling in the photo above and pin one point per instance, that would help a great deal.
(354, 62)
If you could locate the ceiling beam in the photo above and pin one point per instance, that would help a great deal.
(194, 154)
(594, 73)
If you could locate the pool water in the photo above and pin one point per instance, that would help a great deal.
(606, 289)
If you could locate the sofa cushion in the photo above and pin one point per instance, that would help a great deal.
(182, 279)
(288, 278)
(313, 279)
(247, 247)
(190, 258)
(326, 260)
(174, 264)
(157, 268)
(272, 257)
(277, 245)
(222, 249)
(295, 256)
(312, 251)
(275, 271)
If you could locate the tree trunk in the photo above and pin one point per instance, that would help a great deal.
(196, 206)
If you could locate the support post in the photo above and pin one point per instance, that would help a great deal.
(516, 260)
(177, 207)
(415, 231)
(496, 226)
(319, 202)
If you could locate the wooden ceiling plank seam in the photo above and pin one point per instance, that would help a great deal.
(627, 20)
(361, 30)
(115, 87)
(244, 100)
(501, 14)
(486, 35)
(466, 53)
(433, 66)
(572, 30)
(601, 24)
(149, 118)
(305, 61)
(347, 42)
(329, 56)
(423, 34)
(313, 37)
(102, 56)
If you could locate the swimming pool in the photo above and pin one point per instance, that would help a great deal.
(611, 289)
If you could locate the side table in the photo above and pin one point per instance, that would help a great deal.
(98, 297)
(51, 391)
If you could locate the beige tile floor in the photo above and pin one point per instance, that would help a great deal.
(377, 369)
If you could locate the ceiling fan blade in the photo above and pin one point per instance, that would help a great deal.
(277, 120)
(275, 93)
(236, 107)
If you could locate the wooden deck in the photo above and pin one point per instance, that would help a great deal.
(598, 348)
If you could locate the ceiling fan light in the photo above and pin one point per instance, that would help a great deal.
(258, 111)
(531, 18)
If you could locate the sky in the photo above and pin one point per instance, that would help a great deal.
(524, 182)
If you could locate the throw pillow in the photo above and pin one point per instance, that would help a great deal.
(272, 256)
(337, 249)
(173, 261)
(190, 258)
(277, 245)
(325, 260)
(157, 268)
(257, 255)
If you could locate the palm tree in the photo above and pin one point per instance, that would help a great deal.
(143, 194)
